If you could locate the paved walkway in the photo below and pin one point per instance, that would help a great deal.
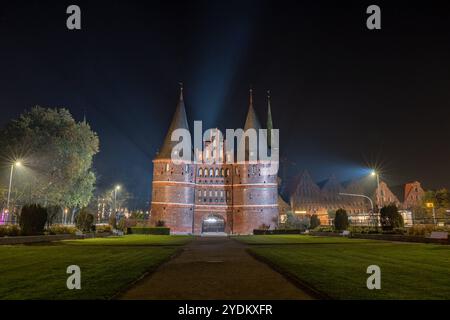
(214, 268)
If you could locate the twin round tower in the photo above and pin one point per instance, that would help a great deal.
(204, 196)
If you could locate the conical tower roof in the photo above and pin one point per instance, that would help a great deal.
(179, 120)
(252, 120)
(269, 121)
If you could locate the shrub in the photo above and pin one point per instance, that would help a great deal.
(363, 229)
(341, 220)
(85, 220)
(10, 230)
(32, 219)
(424, 230)
(264, 227)
(277, 231)
(296, 222)
(100, 228)
(61, 229)
(324, 229)
(122, 225)
(113, 221)
(390, 218)
(160, 223)
(149, 230)
(314, 222)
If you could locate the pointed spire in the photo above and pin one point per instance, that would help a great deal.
(269, 121)
(252, 120)
(181, 91)
(179, 120)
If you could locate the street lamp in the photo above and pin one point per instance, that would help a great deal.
(14, 164)
(117, 188)
(361, 196)
(375, 174)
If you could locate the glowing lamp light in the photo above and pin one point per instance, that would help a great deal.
(211, 220)
(373, 173)
(17, 163)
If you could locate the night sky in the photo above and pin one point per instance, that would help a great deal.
(344, 97)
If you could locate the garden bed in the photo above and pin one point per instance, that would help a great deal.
(48, 238)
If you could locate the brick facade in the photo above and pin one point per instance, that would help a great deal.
(244, 195)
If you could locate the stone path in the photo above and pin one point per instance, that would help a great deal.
(214, 268)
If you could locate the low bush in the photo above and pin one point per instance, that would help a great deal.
(101, 228)
(9, 230)
(277, 231)
(149, 230)
(61, 229)
(324, 229)
(364, 229)
(32, 219)
(395, 231)
(424, 230)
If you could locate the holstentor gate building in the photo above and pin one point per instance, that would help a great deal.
(197, 197)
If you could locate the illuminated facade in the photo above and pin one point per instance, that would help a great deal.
(235, 198)
(308, 197)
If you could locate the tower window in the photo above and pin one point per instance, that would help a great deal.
(211, 172)
(200, 172)
(217, 172)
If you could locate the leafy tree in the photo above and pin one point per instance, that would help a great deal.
(390, 218)
(85, 220)
(341, 220)
(296, 222)
(314, 222)
(57, 154)
(32, 219)
(441, 201)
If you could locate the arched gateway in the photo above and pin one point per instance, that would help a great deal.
(213, 223)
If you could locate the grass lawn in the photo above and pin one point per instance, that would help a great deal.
(337, 266)
(107, 265)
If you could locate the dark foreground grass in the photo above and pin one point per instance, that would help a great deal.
(338, 266)
(107, 266)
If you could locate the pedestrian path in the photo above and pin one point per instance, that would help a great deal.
(214, 268)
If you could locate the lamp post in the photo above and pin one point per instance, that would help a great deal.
(15, 164)
(375, 174)
(359, 195)
(431, 205)
(117, 188)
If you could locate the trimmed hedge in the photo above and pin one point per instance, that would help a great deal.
(149, 230)
(277, 231)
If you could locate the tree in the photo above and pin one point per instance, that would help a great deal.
(32, 219)
(296, 222)
(315, 221)
(441, 201)
(390, 218)
(57, 154)
(85, 220)
(341, 220)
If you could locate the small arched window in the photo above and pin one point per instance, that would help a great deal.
(222, 172)
(167, 167)
(211, 172)
(200, 172)
(227, 173)
(205, 172)
(217, 172)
